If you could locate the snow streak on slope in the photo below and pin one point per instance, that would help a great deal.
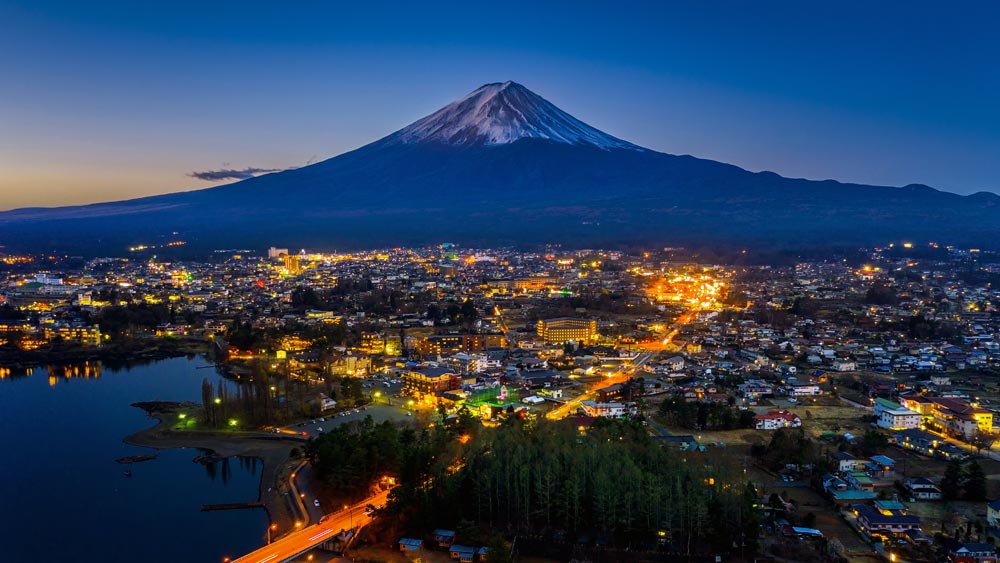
(502, 113)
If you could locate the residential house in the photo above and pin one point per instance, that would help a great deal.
(776, 419)
(874, 523)
(921, 488)
(959, 552)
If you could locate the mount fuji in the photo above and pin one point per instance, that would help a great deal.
(503, 165)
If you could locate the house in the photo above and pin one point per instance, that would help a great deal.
(845, 461)
(683, 443)
(462, 553)
(675, 363)
(959, 552)
(890, 507)
(607, 410)
(443, 538)
(803, 390)
(753, 389)
(851, 497)
(844, 365)
(776, 419)
(928, 444)
(880, 465)
(876, 524)
(859, 480)
(410, 544)
(993, 513)
(922, 488)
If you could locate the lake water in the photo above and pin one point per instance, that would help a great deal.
(63, 497)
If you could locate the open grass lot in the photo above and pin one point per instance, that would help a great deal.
(818, 420)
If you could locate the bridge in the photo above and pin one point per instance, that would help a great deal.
(310, 537)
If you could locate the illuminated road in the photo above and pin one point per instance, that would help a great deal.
(301, 541)
(570, 406)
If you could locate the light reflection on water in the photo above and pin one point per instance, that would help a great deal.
(65, 497)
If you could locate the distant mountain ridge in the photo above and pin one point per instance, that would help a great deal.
(503, 165)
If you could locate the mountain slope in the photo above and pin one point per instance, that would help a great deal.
(503, 165)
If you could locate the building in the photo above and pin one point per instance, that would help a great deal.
(87, 335)
(372, 343)
(410, 544)
(753, 389)
(566, 329)
(891, 415)
(959, 552)
(276, 252)
(921, 488)
(845, 461)
(775, 420)
(875, 523)
(951, 414)
(804, 390)
(445, 344)
(860, 481)
(928, 444)
(608, 410)
(430, 381)
(291, 262)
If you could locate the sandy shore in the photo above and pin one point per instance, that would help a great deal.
(271, 450)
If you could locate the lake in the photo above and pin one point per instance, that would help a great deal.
(64, 497)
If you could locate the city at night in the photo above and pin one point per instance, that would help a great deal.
(540, 282)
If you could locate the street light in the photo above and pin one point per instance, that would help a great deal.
(270, 529)
(350, 516)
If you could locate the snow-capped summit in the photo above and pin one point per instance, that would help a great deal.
(501, 113)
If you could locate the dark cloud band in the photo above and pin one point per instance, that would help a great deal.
(231, 174)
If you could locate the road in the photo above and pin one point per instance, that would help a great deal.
(570, 406)
(990, 454)
(300, 487)
(309, 537)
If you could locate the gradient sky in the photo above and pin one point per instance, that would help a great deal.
(112, 100)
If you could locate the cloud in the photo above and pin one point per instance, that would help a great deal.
(231, 174)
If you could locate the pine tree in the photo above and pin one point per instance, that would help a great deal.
(951, 483)
(975, 483)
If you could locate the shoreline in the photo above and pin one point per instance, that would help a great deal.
(122, 353)
(274, 453)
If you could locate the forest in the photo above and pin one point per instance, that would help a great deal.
(546, 479)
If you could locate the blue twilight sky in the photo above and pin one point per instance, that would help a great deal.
(112, 100)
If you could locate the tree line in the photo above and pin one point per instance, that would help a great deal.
(542, 477)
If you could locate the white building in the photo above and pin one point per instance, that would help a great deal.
(775, 420)
(610, 410)
(804, 390)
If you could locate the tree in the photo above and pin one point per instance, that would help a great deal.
(975, 482)
(982, 440)
(498, 551)
(951, 483)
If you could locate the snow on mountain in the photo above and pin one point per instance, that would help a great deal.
(501, 113)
